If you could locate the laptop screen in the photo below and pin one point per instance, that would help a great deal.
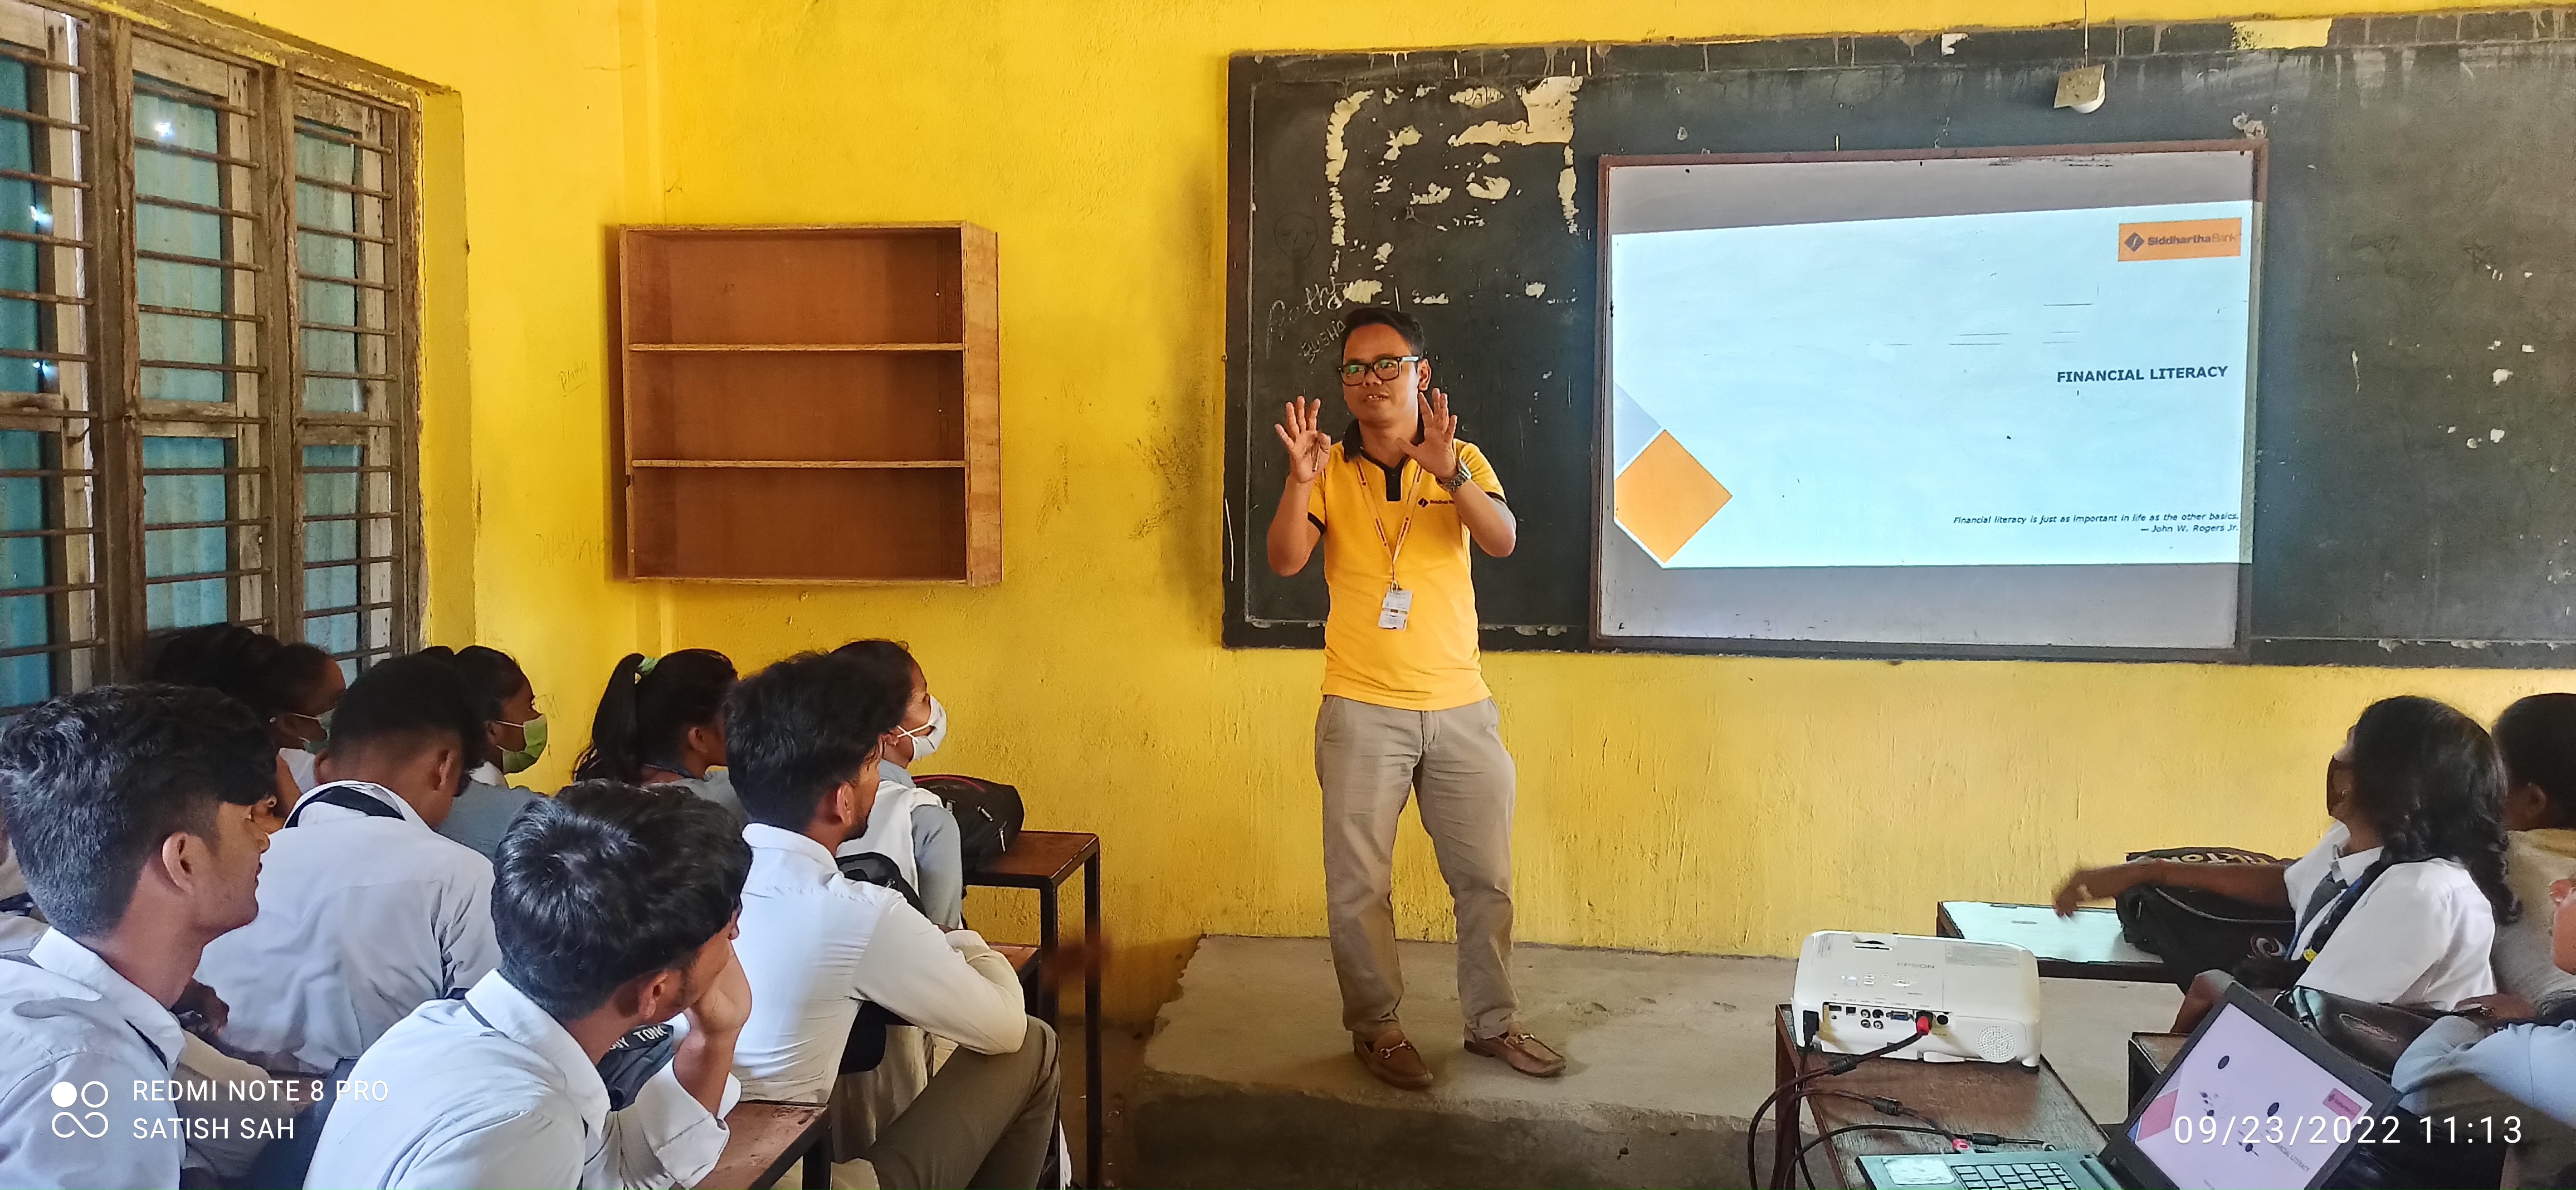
(2245, 1108)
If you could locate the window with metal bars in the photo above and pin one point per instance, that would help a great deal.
(207, 365)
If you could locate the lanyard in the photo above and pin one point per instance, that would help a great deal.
(1377, 519)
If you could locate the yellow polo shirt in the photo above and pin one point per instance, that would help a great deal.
(1431, 663)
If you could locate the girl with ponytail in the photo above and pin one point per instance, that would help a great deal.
(661, 721)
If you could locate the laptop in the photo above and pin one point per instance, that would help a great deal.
(2254, 1101)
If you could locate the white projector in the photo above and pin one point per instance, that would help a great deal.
(1858, 992)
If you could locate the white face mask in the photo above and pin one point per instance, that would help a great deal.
(929, 736)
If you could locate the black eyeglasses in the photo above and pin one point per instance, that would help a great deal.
(1387, 367)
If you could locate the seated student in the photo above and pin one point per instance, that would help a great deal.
(910, 825)
(517, 738)
(615, 909)
(129, 811)
(365, 912)
(2400, 901)
(292, 686)
(2537, 738)
(2476, 1072)
(805, 735)
(662, 722)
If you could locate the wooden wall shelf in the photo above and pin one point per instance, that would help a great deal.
(811, 403)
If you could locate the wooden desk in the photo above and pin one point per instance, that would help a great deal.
(2086, 946)
(766, 1139)
(2149, 1055)
(2010, 1101)
(1043, 861)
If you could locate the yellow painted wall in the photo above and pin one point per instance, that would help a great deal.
(1688, 804)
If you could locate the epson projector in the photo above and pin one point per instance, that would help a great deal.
(1859, 992)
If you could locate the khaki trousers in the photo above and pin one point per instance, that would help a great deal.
(1369, 759)
(984, 1121)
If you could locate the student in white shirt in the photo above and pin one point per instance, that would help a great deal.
(2537, 738)
(2406, 889)
(909, 824)
(615, 909)
(661, 721)
(805, 737)
(2503, 1075)
(365, 912)
(292, 686)
(516, 736)
(129, 811)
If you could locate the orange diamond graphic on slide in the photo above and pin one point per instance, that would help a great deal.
(1665, 496)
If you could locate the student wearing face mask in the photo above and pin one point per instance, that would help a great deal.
(661, 722)
(909, 824)
(291, 686)
(516, 734)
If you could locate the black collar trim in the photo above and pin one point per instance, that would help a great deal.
(1354, 449)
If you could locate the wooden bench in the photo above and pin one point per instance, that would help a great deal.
(766, 1139)
(2085, 946)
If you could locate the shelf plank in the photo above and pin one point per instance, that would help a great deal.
(804, 464)
(713, 348)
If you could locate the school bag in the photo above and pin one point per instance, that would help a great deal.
(2195, 931)
(989, 815)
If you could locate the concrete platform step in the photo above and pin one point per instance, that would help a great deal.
(1249, 1080)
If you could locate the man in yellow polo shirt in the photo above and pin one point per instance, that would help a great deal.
(1396, 503)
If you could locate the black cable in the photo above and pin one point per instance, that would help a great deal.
(1841, 1065)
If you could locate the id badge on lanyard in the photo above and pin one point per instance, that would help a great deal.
(1397, 607)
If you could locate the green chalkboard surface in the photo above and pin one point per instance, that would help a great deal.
(2416, 380)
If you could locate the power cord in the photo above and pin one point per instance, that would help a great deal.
(1841, 1065)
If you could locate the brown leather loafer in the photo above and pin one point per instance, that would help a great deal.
(1521, 1052)
(1393, 1060)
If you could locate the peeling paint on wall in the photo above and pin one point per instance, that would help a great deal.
(1407, 135)
(1335, 156)
(1489, 188)
(1361, 292)
(1535, 289)
(1384, 251)
(1478, 96)
(1432, 299)
(1549, 119)
(1437, 193)
(1565, 193)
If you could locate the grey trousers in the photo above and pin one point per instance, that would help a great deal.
(985, 1121)
(1369, 759)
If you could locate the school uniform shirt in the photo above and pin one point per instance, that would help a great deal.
(716, 786)
(815, 944)
(2421, 935)
(301, 765)
(362, 918)
(1432, 663)
(489, 1090)
(68, 1019)
(484, 809)
(2525, 960)
(2456, 1074)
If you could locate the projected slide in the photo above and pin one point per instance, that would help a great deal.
(2016, 388)
(1998, 400)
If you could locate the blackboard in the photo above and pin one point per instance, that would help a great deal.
(2417, 301)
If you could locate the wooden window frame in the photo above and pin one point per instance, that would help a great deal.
(103, 71)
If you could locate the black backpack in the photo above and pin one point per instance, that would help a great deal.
(2195, 931)
(988, 815)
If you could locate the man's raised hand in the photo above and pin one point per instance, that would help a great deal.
(1437, 453)
(1309, 449)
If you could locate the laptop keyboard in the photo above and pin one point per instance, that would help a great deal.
(2046, 1176)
